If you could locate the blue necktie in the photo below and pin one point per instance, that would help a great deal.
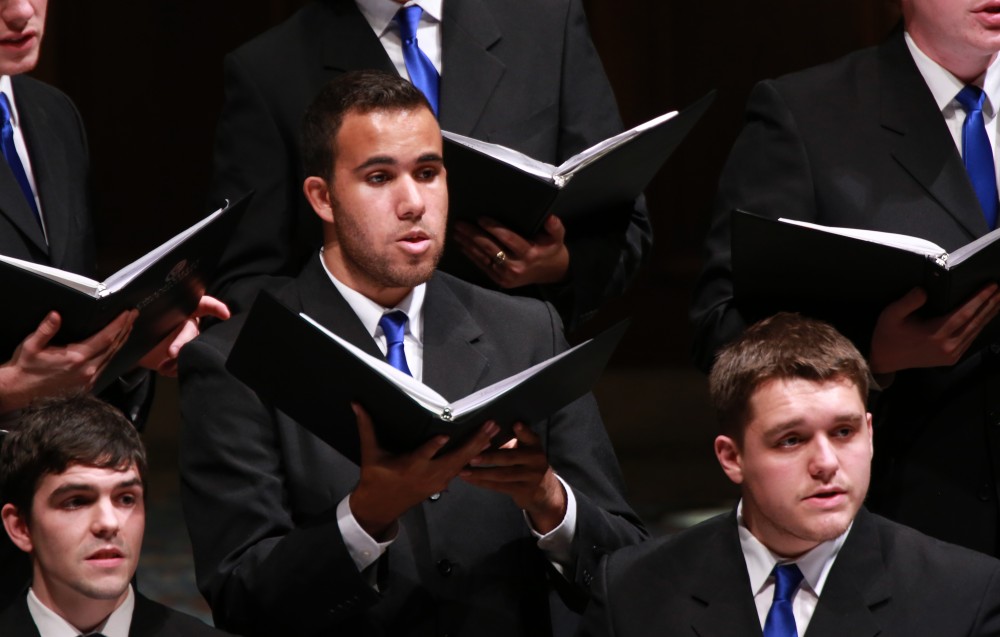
(422, 72)
(977, 153)
(393, 325)
(780, 620)
(10, 154)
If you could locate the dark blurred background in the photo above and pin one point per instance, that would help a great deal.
(147, 77)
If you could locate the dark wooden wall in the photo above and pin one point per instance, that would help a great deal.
(147, 78)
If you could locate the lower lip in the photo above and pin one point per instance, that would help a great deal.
(416, 247)
(107, 562)
(18, 45)
(828, 502)
(990, 19)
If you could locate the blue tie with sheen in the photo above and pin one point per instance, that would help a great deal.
(13, 159)
(422, 72)
(393, 325)
(780, 620)
(977, 152)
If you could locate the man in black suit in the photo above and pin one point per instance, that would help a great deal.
(524, 75)
(72, 474)
(874, 141)
(289, 534)
(790, 393)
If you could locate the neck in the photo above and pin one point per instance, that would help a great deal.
(966, 66)
(83, 613)
(359, 281)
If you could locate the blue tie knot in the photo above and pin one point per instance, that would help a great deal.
(408, 18)
(971, 98)
(5, 109)
(787, 578)
(393, 325)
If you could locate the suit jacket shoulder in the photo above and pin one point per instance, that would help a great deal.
(152, 619)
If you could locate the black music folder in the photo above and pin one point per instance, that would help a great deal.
(489, 180)
(847, 276)
(165, 285)
(313, 375)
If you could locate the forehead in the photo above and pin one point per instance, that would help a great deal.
(785, 400)
(87, 476)
(397, 134)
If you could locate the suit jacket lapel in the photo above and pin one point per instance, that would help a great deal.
(919, 138)
(319, 298)
(721, 586)
(16, 620)
(36, 131)
(454, 358)
(349, 42)
(857, 583)
(469, 71)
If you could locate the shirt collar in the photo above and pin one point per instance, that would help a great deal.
(50, 624)
(379, 13)
(944, 86)
(815, 564)
(370, 312)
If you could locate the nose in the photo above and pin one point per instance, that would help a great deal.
(106, 520)
(16, 13)
(411, 203)
(824, 462)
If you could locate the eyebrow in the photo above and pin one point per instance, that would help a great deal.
(781, 428)
(385, 160)
(76, 487)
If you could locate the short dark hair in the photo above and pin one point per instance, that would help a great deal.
(354, 91)
(784, 346)
(51, 435)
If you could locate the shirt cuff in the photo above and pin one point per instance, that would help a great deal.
(558, 543)
(363, 548)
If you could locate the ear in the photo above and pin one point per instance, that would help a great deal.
(17, 527)
(728, 454)
(871, 434)
(318, 193)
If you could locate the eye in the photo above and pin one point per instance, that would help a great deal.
(74, 502)
(789, 441)
(844, 432)
(427, 173)
(128, 499)
(377, 178)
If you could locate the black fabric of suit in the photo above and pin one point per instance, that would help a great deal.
(260, 492)
(524, 75)
(888, 580)
(149, 619)
(861, 143)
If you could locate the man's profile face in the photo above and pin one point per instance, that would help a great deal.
(955, 33)
(389, 201)
(804, 464)
(84, 534)
(21, 25)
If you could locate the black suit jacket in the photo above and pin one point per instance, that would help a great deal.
(149, 619)
(888, 580)
(861, 143)
(524, 75)
(260, 492)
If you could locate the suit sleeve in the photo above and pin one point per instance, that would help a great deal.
(767, 173)
(598, 620)
(253, 152)
(605, 255)
(581, 453)
(261, 571)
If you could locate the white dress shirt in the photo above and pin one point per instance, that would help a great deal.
(362, 547)
(380, 14)
(815, 566)
(944, 87)
(52, 625)
(22, 151)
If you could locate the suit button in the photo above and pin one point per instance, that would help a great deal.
(445, 567)
(435, 497)
(587, 577)
(986, 492)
